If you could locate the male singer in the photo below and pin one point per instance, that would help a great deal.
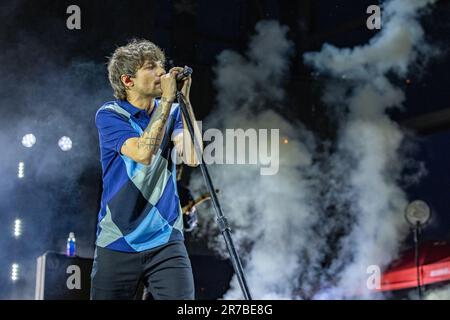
(140, 224)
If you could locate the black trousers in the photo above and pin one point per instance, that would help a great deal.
(165, 272)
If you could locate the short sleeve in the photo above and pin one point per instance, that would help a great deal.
(113, 129)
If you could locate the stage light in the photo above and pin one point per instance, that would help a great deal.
(65, 143)
(417, 213)
(15, 272)
(28, 140)
(21, 170)
(17, 228)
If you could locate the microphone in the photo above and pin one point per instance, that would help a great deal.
(187, 71)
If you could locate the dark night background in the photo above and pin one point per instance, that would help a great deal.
(40, 56)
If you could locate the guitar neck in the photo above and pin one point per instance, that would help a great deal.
(193, 203)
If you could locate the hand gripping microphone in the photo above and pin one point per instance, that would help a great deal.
(187, 71)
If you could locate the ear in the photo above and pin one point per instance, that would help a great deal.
(126, 80)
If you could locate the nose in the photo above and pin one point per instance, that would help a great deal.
(161, 72)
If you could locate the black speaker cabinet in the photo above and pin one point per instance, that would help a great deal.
(59, 277)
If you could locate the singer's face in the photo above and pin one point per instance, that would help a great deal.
(147, 80)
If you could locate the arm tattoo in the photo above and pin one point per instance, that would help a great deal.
(152, 136)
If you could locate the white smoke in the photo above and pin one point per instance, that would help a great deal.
(371, 141)
(267, 212)
(438, 294)
(53, 198)
(312, 230)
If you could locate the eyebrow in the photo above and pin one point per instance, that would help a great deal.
(151, 64)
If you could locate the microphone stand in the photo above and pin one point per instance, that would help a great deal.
(220, 218)
(417, 258)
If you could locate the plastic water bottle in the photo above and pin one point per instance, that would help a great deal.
(71, 245)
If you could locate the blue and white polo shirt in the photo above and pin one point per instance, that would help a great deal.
(140, 207)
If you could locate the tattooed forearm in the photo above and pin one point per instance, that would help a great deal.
(148, 143)
(152, 136)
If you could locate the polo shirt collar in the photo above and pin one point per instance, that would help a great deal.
(130, 108)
